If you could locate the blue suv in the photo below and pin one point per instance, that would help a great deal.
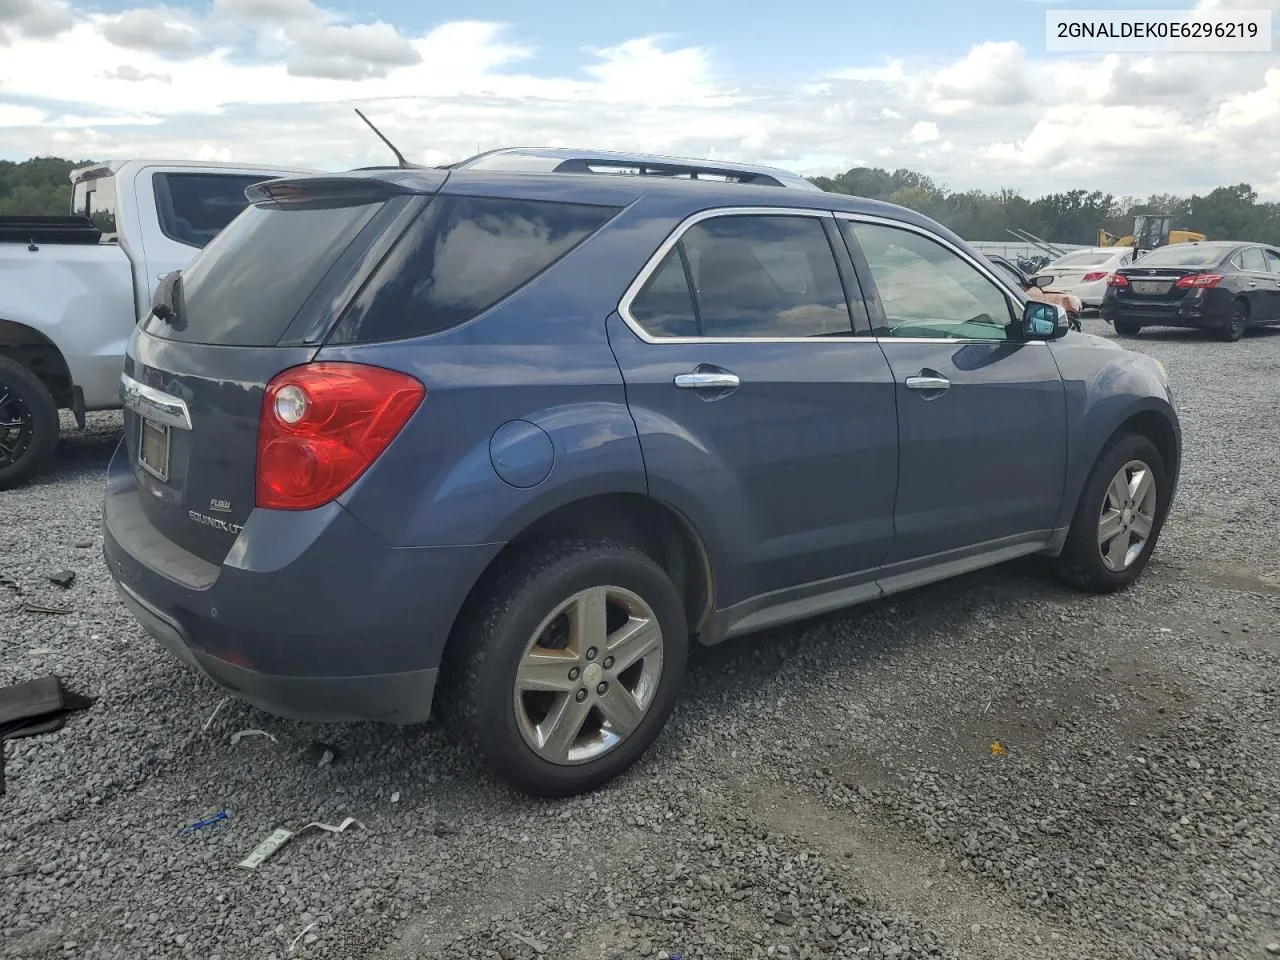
(505, 437)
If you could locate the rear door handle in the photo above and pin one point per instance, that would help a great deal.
(707, 380)
(927, 383)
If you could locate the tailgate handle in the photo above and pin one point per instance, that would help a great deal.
(155, 405)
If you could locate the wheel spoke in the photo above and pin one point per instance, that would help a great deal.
(1115, 550)
(639, 638)
(590, 620)
(620, 709)
(560, 729)
(1110, 527)
(546, 672)
(1141, 525)
(1119, 490)
(1141, 485)
(10, 424)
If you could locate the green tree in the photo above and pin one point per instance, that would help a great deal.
(37, 187)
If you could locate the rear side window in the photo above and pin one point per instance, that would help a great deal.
(1273, 261)
(195, 207)
(752, 277)
(247, 285)
(96, 199)
(1251, 259)
(461, 257)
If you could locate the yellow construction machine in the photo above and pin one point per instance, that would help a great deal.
(1150, 232)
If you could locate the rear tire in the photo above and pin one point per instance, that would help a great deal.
(527, 683)
(1127, 328)
(1237, 323)
(1112, 533)
(28, 424)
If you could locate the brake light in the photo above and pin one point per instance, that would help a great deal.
(1117, 280)
(1200, 281)
(1091, 277)
(323, 424)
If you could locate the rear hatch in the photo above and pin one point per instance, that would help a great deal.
(259, 299)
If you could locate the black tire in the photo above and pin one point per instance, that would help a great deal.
(24, 400)
(1081, 561)
(1237, 322)
(1127, 328)
(496, 628)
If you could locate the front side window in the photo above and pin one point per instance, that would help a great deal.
(194, 208)
(747, 277)
(928, 290)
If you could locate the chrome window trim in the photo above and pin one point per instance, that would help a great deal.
(651, 266)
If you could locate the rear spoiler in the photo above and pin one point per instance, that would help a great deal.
(354, 187)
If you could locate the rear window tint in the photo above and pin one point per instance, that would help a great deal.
(254, 276)
(462, 256)
(1182, 255)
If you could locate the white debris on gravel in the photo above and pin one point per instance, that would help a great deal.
(823, 791)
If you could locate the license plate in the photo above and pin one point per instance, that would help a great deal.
(1151, 286)
(153, 449)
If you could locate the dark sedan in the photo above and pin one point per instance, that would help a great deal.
(1220, 286)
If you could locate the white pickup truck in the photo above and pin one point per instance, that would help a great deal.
(72, 288)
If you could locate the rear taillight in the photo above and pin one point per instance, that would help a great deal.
(1200, 281)
(323, 424)
(1091, 277)
(1117, 280)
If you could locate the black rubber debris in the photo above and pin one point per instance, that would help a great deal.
(63, 578)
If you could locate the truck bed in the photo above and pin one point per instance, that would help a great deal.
(38, 230)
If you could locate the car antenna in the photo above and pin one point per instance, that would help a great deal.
(403, 163)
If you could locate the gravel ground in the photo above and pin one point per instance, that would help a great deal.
(824, 791)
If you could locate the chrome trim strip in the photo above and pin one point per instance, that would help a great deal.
(154, 404)
(633, 289)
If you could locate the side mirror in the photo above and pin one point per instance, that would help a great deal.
(1044, 321)
(1042, 281)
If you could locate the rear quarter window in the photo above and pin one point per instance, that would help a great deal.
(462, 256)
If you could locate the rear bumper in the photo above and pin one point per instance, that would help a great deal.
(1201, 314)
(310, 616)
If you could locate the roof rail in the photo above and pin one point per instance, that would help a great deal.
(608, 162)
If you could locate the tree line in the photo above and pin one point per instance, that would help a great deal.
(41, 186)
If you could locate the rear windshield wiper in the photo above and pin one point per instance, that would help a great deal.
(167, 304)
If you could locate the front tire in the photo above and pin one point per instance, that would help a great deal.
(1119, 517)
(28, 424)
(567, 665)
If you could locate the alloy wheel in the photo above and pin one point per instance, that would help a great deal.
(588, 675)
(17, 426)
(1127, 517)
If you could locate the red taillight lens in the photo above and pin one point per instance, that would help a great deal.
(1200, 281)
(1117, 280)
(1091, 277)
(323, 424)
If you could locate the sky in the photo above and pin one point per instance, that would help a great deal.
(961, 91)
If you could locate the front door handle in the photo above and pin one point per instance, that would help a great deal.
(707, 380)
(927, 383)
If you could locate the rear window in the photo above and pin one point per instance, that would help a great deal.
(462, 256)
(254, 276)
(195, 207)
(1182, 255)
(1085, 258)
(96, 199)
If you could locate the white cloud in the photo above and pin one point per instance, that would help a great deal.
(274, 81)
(923, 131)
(152, 29)
(33, 18)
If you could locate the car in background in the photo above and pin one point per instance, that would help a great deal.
(1035, 289)
(1084, 273)
(1220, 286)
(514, 441)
